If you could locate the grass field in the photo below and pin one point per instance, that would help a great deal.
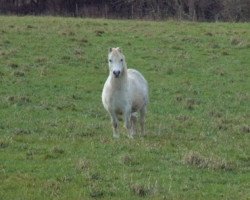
(56, 138)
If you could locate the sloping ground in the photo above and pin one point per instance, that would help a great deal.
(56, 138)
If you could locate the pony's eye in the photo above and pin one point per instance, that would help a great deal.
(121, 60)
(110, 60)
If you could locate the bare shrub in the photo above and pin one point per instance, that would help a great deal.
(196, 10)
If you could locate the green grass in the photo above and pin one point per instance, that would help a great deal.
(56, 138)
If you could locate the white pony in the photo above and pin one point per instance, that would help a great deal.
(125, 92)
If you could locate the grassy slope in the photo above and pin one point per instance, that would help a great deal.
(55, 136)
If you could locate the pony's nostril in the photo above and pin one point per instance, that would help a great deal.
(116, 73)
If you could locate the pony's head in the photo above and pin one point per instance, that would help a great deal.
(116, 59)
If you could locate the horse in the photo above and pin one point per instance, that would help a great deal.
(125, 93)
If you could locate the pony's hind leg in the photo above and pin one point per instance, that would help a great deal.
(133, 123)
(142, 120)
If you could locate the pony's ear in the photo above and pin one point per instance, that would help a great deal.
(110, 49)
(118, 48)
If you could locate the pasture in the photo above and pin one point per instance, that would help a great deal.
(56, 138)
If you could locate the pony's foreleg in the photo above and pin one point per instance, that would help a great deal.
(114, 122)
(128, 123)
(142, 120)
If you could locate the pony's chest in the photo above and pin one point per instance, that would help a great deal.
(119, 100)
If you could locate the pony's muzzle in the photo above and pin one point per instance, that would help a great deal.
(116, 73)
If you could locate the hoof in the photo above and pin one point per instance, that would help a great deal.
(116, 136)
(130, 136)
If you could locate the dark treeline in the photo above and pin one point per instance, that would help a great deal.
(196, 10)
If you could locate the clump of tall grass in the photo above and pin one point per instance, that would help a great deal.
(195, 159)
